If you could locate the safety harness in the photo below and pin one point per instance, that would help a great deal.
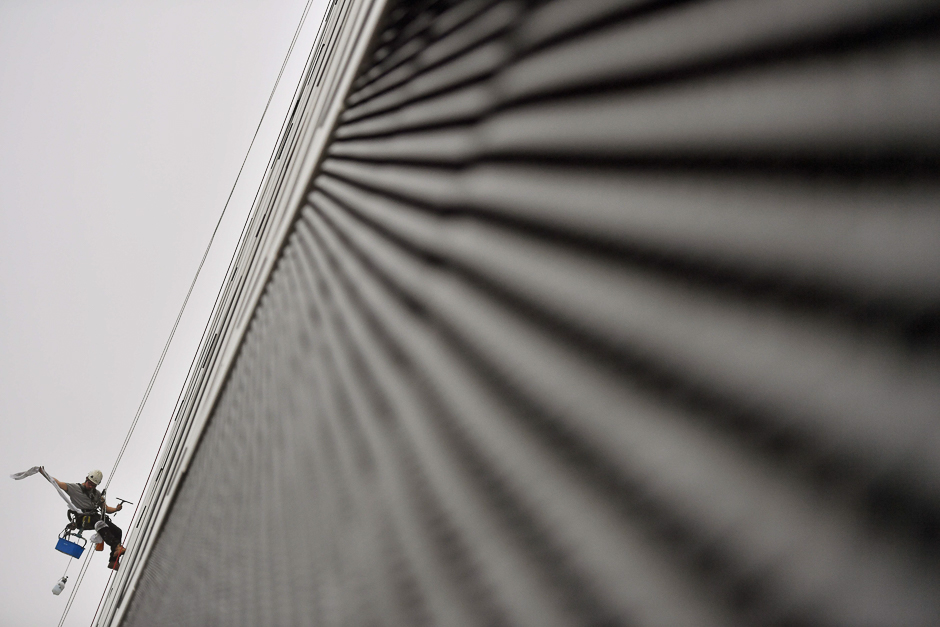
(86, 519)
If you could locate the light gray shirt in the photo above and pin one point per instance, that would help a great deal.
(85, 500)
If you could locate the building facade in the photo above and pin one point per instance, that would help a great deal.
(576, 312)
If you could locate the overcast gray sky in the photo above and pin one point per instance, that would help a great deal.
(122, 127)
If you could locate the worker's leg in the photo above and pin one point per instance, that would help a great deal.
(111, 534)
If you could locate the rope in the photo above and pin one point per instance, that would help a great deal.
(177, 406)
(130, 529)
(108, 583)
(78, 582)
(166, 346)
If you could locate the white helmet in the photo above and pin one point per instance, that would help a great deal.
(95, 476)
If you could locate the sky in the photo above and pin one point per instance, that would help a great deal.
(122, 129)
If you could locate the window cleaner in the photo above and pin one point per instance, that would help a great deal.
(88, 510)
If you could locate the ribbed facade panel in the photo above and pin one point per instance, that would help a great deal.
(592, 312)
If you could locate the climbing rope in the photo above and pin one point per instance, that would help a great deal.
(166, 346)
(97, 609)
(205, 254)
(78, 582)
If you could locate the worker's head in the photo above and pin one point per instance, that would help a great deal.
(94, 477)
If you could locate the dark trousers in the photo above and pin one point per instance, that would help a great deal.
(110, 532)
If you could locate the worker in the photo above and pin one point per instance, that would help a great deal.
(86, 497)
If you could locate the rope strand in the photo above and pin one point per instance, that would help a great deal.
(205, 254)
(108, 583)
(166, 346)
(78, 582)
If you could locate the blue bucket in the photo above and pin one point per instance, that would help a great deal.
(69, 548)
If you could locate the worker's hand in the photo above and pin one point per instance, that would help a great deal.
(119, 507)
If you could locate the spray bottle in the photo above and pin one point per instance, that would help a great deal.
(60, 585)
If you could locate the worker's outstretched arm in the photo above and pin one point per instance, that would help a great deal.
(111, 510)
(61, 484)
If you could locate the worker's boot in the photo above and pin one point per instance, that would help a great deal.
(115, 557)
